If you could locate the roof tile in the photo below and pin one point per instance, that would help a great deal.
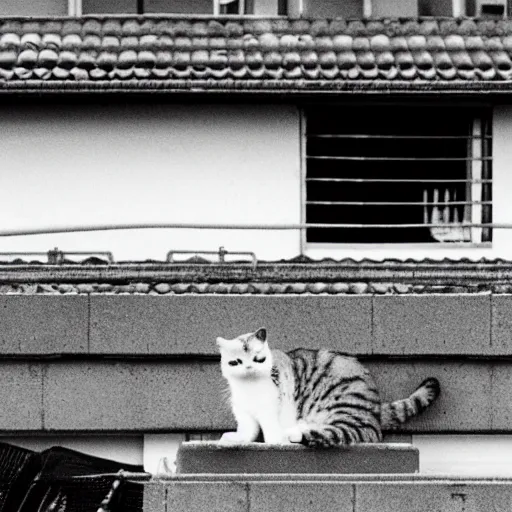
(230, 50)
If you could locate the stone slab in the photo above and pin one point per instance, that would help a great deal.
(207, 497)
(180, 395)
(432, 324)
(501, 411)
(427, 497)
(136, 395)
(38, 324)
(466, 400)
(501, 333)
(188, 324)
(441, 324)
(342, 493)
(21, 396)
(155, 497)
(215, 457)
(301, 497)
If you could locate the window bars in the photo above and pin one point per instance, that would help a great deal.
(140, 7)
(392, 174)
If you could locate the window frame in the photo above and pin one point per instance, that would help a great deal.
(295, 8)
(485, 114)
(75, 9)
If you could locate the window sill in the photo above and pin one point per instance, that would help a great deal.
(398, 247)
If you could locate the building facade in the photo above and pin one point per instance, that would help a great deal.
(357, 159)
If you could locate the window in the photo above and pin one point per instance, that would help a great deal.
(398, 174)
(491, 8)
(161, 6)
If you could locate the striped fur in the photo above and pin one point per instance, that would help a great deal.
(394, 414)
(336, 398)
(338, 402)
(319, 398)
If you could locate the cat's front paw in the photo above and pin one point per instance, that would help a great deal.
(232, 437)
(294, 434)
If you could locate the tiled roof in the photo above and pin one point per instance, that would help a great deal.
(232, 53)
(301, 288)
(299, 276)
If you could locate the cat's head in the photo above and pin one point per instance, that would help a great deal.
(247, 356)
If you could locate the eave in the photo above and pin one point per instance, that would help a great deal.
(245, 56)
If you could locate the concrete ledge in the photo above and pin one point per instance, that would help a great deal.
(320, 493)
(169, 325)
(43, 325)
(190, 324)
(189, 395)
(432, 324)
(443, 324)
(214, 457)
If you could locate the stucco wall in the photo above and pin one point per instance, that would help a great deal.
(67, 164)
(31, 8)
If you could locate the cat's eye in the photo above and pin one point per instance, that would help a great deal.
(259, 359)
(235, 362)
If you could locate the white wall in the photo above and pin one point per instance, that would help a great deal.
(32, 8)
(133, 163)
(502, 180)
(92, 164)
(465, 455)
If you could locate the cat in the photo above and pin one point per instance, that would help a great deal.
(320, 398)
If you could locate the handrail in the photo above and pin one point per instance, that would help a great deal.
(221, 253)
(262, 227)
(56, 256)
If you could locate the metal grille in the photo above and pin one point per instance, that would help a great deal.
(393, 174)
(218, 7)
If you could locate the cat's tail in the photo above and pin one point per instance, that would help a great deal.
(395, 413)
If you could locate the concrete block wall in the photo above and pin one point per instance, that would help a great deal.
(311, 493)
(100, 363)
(367, 325)
(178, 395)
(130, 363)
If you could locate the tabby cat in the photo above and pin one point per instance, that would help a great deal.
(314, 397)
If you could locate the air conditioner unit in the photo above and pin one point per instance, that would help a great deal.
(491, 8)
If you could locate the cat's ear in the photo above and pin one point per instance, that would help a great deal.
(261, 334)
(220, 342)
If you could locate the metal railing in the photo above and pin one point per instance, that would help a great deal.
(215, 226)
(221, 253)
(57, 257)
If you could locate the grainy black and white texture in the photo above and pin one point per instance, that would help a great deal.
(317, 397)
(338, 402)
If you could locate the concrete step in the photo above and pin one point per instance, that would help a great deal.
(214, 457)
(326, 493)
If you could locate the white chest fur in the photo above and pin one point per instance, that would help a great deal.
(258, 402)
(254, 396)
